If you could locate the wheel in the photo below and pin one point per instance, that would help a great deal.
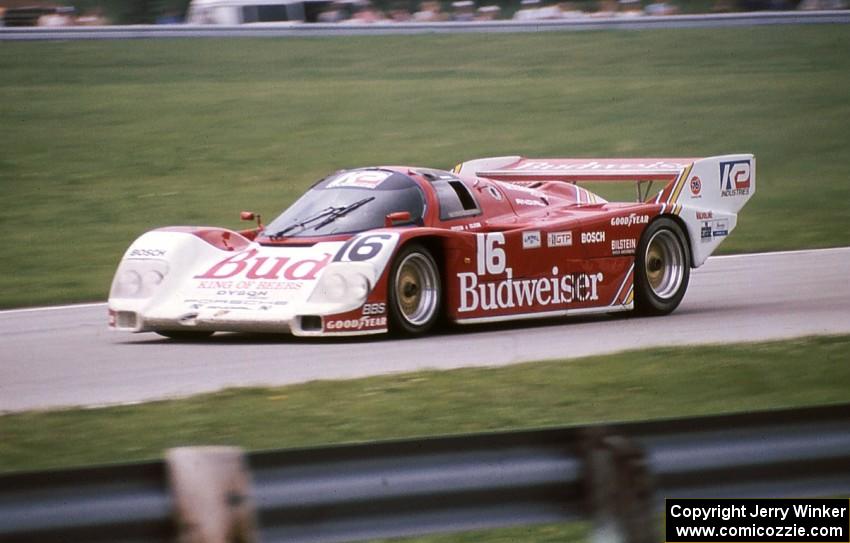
(415, 291)
(662, 268)
(185, 335)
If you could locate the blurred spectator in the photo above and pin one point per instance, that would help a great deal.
(527, 10)
(661, 8)
(365, 13)
(629, 8)
(569, 10)
(534, 11)
(63, 16)
(488, 13)
(430, 12)
(463, 11)
(93, 17)
(606, 8)
(400, 14)
(334, 13)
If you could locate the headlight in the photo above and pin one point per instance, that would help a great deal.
(138, 278)
(343, 284)
(153, 277)
(359, 287)
(335, 287)
(127, 284)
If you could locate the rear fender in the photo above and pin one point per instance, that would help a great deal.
(707, 197)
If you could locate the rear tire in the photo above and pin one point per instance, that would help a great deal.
(662, 268)
(185, 335)
(415, 291)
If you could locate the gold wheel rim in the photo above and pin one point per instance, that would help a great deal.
(664, 264)
(409, 290)
(655, 266)
(417, 289)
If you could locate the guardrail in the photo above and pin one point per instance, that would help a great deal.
(318, 29)
(616, 474)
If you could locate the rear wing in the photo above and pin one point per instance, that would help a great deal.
(721, 182)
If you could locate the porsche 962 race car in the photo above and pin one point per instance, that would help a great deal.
(393, 248)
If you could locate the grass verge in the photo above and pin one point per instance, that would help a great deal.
(635, 385)
(103, 140)
(655, 383)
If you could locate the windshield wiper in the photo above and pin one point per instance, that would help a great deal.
(330, 214)
(324, 213)
(339, 212)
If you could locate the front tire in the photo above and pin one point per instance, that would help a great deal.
(415, 291)
(662, 268)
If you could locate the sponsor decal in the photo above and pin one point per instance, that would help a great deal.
(369, 179)
(374, 309)
(594, 165)
(592, 237)
(363, 323)
(266, 267)
(229, 303)
(527, 202)
(243, 293)
(248, 285)
(735, 178)
(494, 192)
(719, 228)
(704, 215)
(629, 220)
(559, 239)
(363, 248)
(714, 229)
(623, 246)
(150, 253)
(505, 292)
(531, 240)
(518, 186)
(470, 226)
(696, 186)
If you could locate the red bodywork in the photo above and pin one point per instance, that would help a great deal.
(539, 245)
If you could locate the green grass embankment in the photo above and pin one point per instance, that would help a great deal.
(103, 140)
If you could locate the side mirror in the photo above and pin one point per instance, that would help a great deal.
(250, 216)
(397, 217)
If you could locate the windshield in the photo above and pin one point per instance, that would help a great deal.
(349, 202)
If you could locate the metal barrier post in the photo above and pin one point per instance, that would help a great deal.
(212, 494)
(619, 489)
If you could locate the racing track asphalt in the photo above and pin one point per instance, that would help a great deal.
(55, 357)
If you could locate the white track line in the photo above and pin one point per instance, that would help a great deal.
(720, 257)
(51, 308)
(781, 253)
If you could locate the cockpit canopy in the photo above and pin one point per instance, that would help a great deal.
(349, 202)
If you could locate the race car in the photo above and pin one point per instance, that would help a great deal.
(398, 249)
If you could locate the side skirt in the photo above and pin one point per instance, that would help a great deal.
(549, 314)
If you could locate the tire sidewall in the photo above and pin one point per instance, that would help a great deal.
(646, 301)
(398, 322)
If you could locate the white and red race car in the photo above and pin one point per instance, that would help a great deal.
(395, 248)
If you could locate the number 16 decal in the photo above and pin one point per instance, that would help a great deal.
(359, 249)
(490, 254)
